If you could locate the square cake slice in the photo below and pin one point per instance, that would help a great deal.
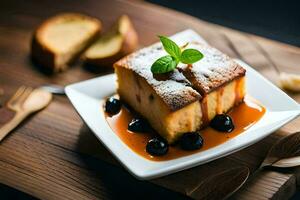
(185, 99)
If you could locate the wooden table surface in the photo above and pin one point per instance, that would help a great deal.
(53, 155)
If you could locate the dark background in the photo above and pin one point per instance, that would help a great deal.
(278, 20)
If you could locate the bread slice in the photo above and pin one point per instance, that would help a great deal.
(58, 40)
(184, 100)
(119, 41)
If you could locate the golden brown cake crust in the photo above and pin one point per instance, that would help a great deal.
(174, 89)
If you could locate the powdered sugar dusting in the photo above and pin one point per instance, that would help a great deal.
(213, 70)
(175, 91)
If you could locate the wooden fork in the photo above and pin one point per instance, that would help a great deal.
(24, 102)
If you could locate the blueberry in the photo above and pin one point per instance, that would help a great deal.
(223, 123)
(138, 125)
(113, 105)
(191, 141)
(157, 146)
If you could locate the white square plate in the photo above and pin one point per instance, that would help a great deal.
(86, 96)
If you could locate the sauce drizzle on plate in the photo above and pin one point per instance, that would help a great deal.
(244, 116)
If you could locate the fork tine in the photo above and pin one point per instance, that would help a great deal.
(25, 94)
(16, 95)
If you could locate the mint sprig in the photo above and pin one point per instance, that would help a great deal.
(169, 62)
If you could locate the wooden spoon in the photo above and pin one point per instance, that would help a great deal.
(24, 102)
(221, 185)
(284, 153)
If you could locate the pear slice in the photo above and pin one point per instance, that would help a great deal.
(119, 41)
(290, 81)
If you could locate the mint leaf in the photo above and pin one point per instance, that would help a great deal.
(171, 47)
(169, 62)
(163, 65)
(190, 56)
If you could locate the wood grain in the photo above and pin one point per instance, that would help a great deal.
(53, 155)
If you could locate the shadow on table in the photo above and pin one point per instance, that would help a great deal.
(11, 193)
(94, 69)
(97, 69)
(38, 67)
(116, 180)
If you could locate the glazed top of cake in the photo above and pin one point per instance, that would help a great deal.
(178, 89)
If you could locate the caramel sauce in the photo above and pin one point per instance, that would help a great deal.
(244, 116)
(204, 110)
(237, 91)
(219, 104)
